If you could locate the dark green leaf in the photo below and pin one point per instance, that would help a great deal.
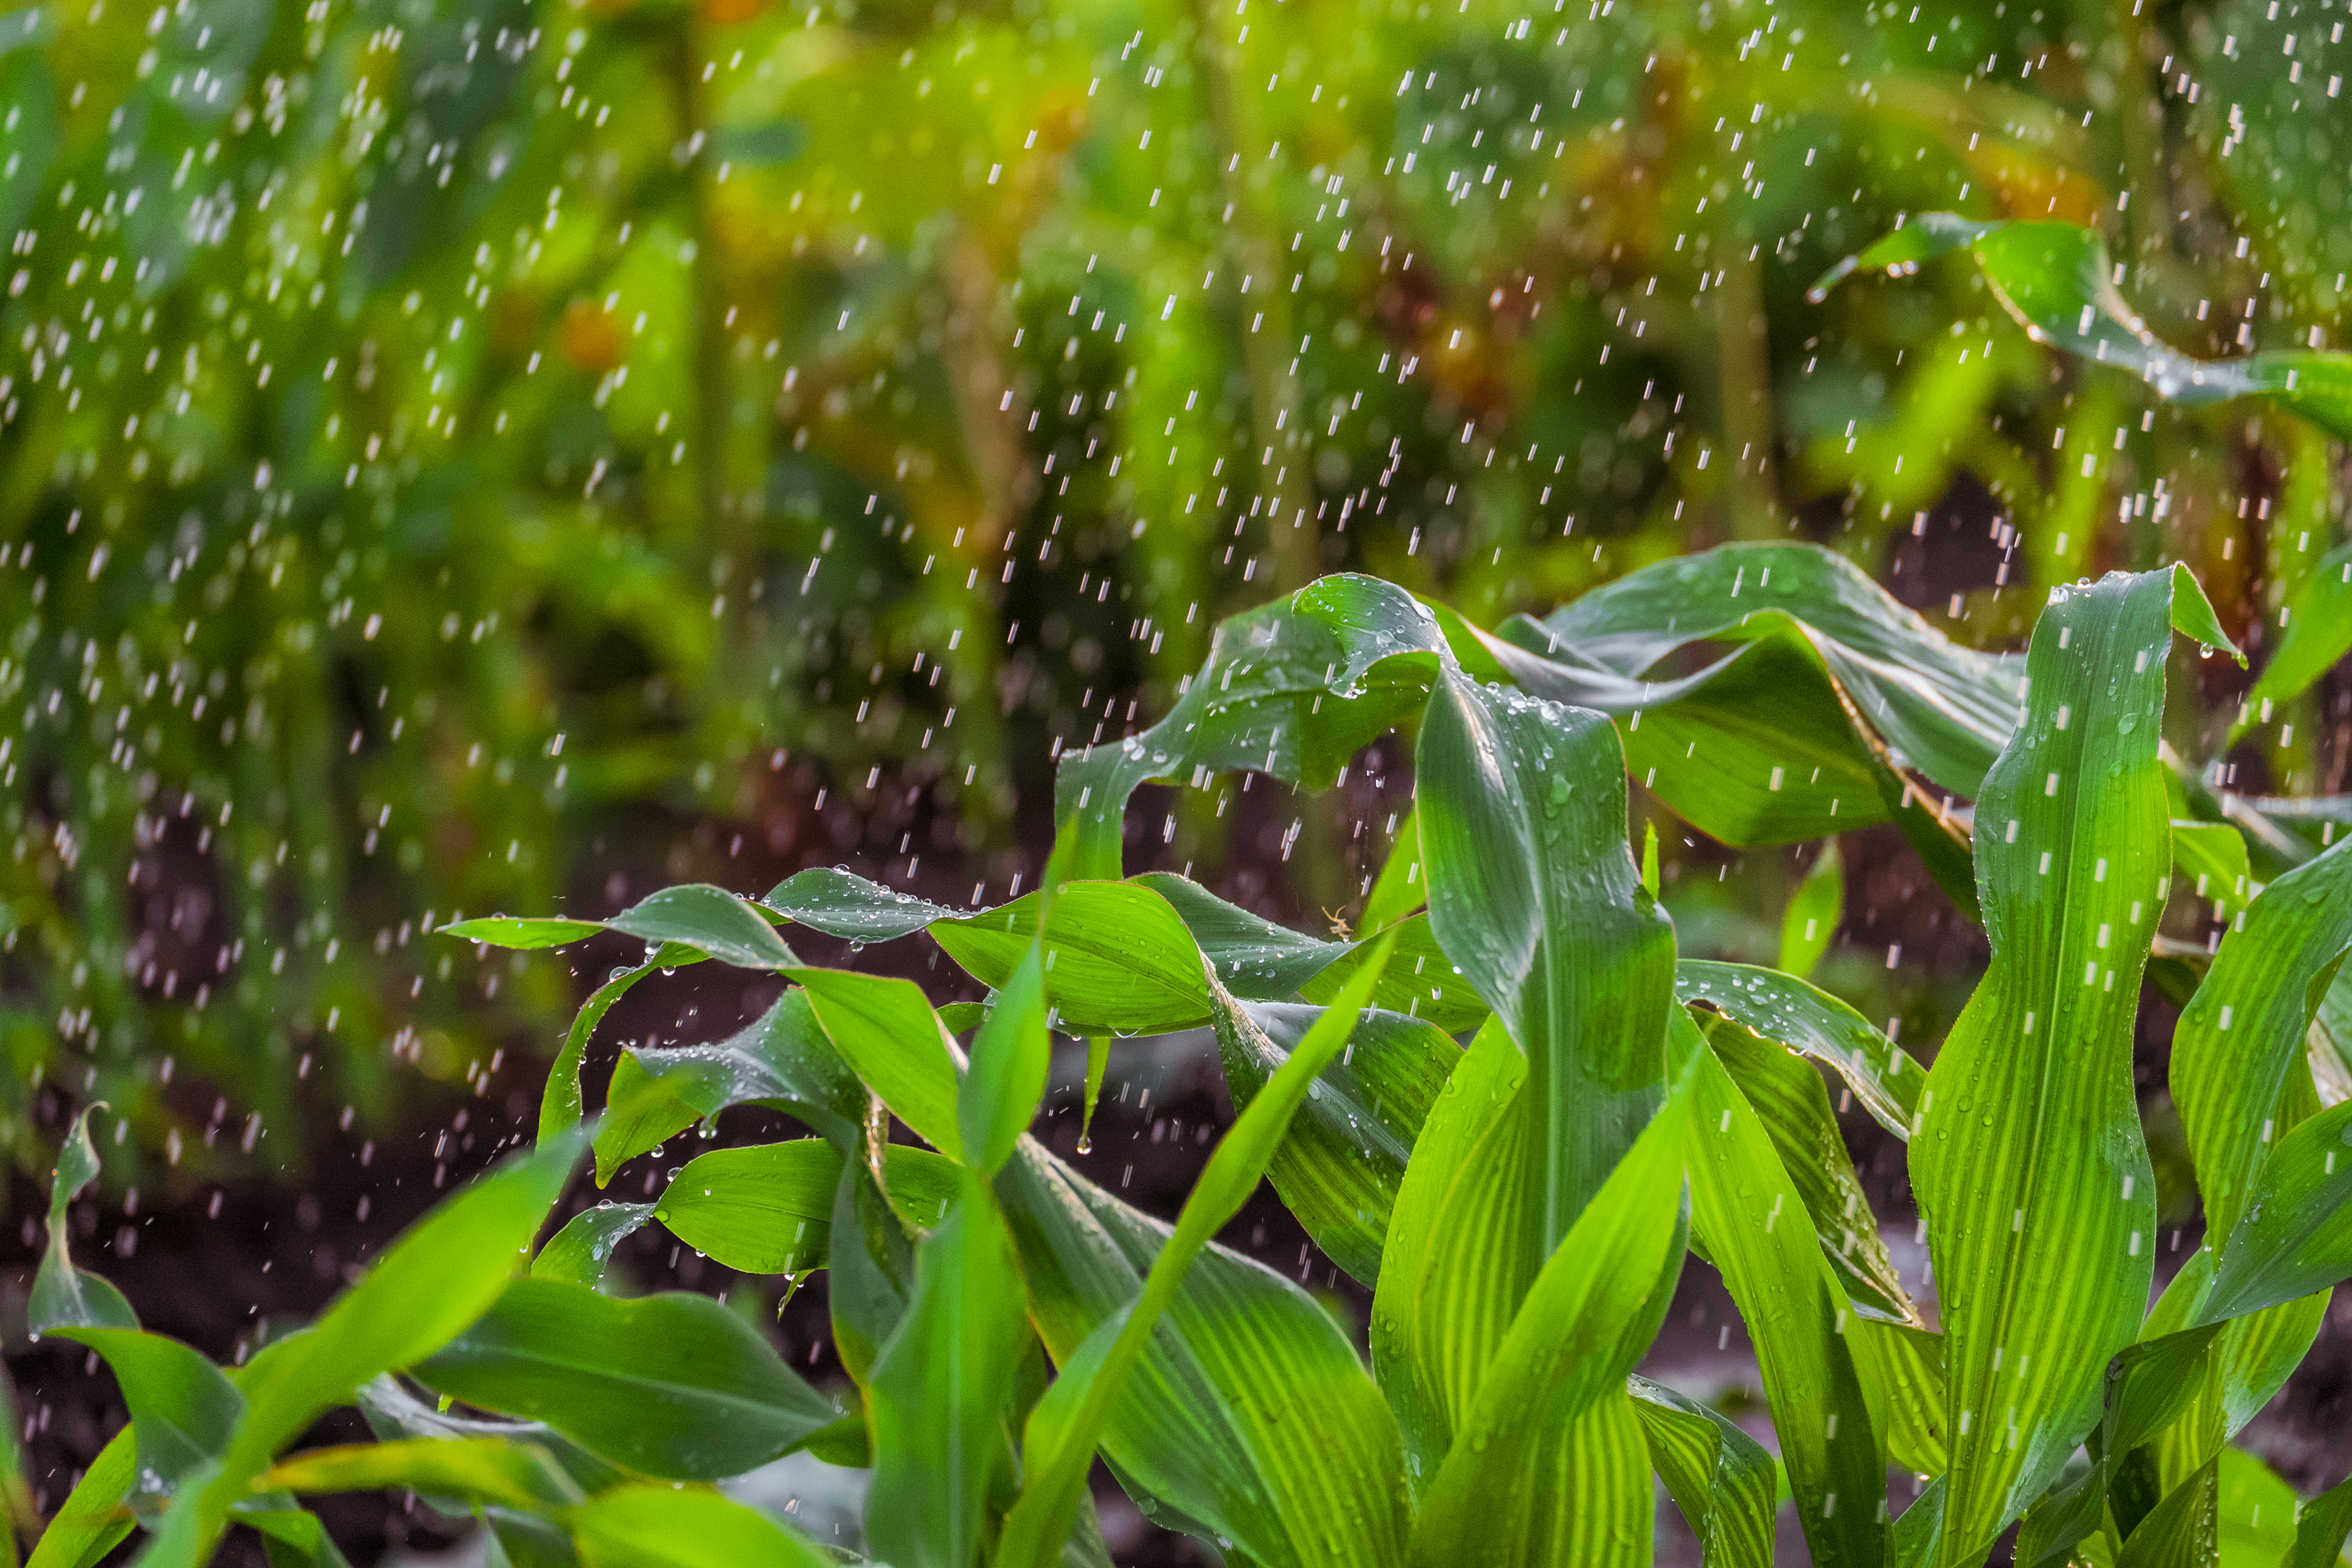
(2322, 1528)
(2318, 634)
(672, 1385)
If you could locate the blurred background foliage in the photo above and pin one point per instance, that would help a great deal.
(462, 454)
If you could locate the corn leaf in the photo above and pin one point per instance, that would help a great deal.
(560, 1107)
(663, 1527)
(1343, 1160)
(1011, 1058)
(1399, 890)
(2322, 1527)
(695, 915)
(1247, 1417)
(2296, 1235)
(672, 1385)
(1121, 960)
(93, 1519)
(1748, 1211)
(577, 1253)
(2182, 1531)
(2318, 634)
(182, 1406)
(62, 1295)
(766, 1208)
(2031, 1172)
(885, 1029)
(940, 1394)
(1799, 1017)
(1721, 1478)
(1810, 922)
(487, 1471)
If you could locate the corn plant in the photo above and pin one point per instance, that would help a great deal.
(1505, 1104)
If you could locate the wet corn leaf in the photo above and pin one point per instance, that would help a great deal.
(672, 1385)
(1539, 1469)
(1748, 1211)
(1341, 1164)
(1117, 959)
(2322, 1528)
(93, 1520)
(1011, 1055)
(1810, 922)
(63, 1296)
(2318, 634)
(1803, 1018)
(885, 1029)
(485, 1472)
(763, 1209)
(941, 1393)
(1076, 1415)
(183, 1408)
(711, 920)
(577, 1254)
(691, 1527)
(558, 1105)
(1247, 1417)
(1722, 1480)
(394, 1414)
(2031, 1172)
(2054, 279)
(783, 1059)
(2295, 1236)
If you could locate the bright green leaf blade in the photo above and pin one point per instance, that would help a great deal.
(483, 1470)
(1012, 1057)
(1419, 980)
(94, 1517)
(1811, 923)
(560, 1107)
(763, 1209)
(1254, 959)
(1803, 1018)
(709, 920)
(780, 1059)
(1075, 1414)
(1117, 958)
(841, 904)
(672, 1385)
(1340, 1168)
(2182, 1530)
(2296, 1237)
(1720, 1477)
(182, 1406)
(62, 1295)
(577, 1253)
(1527, 1475)
(1248, 1417)
(2033, 1175)
(525, 934)
(941, 1393)
(2209, 859)
(1534, 895)
(2322, 1528)
(885, 1029)
(1400, 888)
(1901, 1368)
(665, 1526)
(2243, 1036)
(1749, 1213)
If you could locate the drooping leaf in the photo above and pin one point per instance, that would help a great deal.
(672, 1385)
(1799, 1017)
(2295, 1234)
(2054, 279)
(93, 1519)
(841, 904)
(62, 1295)
(560, 1107)
(1121, 960)
(577, 1254)
(1811, 920)
(782, 1059)
(1247, 1417)
(710, 920)
(885, 1029)
(1720, 1477)
(1340, 1167)
(2318, 634)
(940, 1393)
(2031, 1172)
(1077, 1413)
(182, 1407)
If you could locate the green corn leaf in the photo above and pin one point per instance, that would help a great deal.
(560, 1107)
(782, 1059)
(2054, 279)
(2318, 635)
(2296, 1235)
(885, 1029)
(1254, 959)
(394, 1414)
(2239, 1045)
(1534, 896)
(1293, 689)
(1012, 1057)
(2322, 1528)
(1340, 1166)
(1792, 1108)
(487, 1471)
(1247, 1417)
(1117, 958)
(577, 1253)
(1814, 910)
(440, 1275)
(62, 1295)
(1749, 1213)
(843, 904)
(1799, 1017)
(710, 920)
(2209, 859)
(182, 1407)
(1721, 1478)
(2032, 1176)
(672, 1385)
(93, 1519)
(2182, 1531)
(1400, 888)
(1070, 1422)
(940, 1393)
(1902, 1369)
(290, 1535)
(762, 1209)
(872, 1261)
(1419, 980)
(689, 1527)
(1537, 1471)
(2255, 1510)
